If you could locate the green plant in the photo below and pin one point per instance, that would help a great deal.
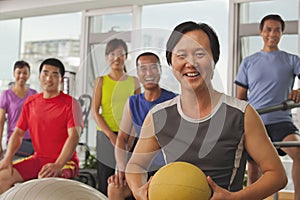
(90, 162)
(245, 178)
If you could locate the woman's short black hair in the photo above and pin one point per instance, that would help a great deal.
(54, 62)
(188, 26)
(114, 44)
(20, 64)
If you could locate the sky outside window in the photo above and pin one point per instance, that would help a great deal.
(9, 51)
(212, 12)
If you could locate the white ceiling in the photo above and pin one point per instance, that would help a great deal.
(25, 8)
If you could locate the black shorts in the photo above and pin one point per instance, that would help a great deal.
(277, 132)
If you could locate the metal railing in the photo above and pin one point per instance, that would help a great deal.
(285, 105)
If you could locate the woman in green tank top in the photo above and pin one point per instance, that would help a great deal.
(110, 94)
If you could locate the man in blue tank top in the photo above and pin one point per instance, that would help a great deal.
(135, 111)
(265, 79)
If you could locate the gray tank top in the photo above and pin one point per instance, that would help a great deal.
(214, 143)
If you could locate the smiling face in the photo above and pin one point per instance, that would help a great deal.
(50, 79)
(148, 70)
(192, 61)
(21, 75)
(271, 34)
(116, 58)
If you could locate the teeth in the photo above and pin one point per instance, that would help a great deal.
(150, 79)
(192, 74)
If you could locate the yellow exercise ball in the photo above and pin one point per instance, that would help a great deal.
(52, 189)
(178, 181)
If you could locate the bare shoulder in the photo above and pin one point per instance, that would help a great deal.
(137, 85)
(98, 81)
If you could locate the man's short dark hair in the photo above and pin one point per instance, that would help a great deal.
(54, 62)
(147, 54)
(272, 17)
(189, 26)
